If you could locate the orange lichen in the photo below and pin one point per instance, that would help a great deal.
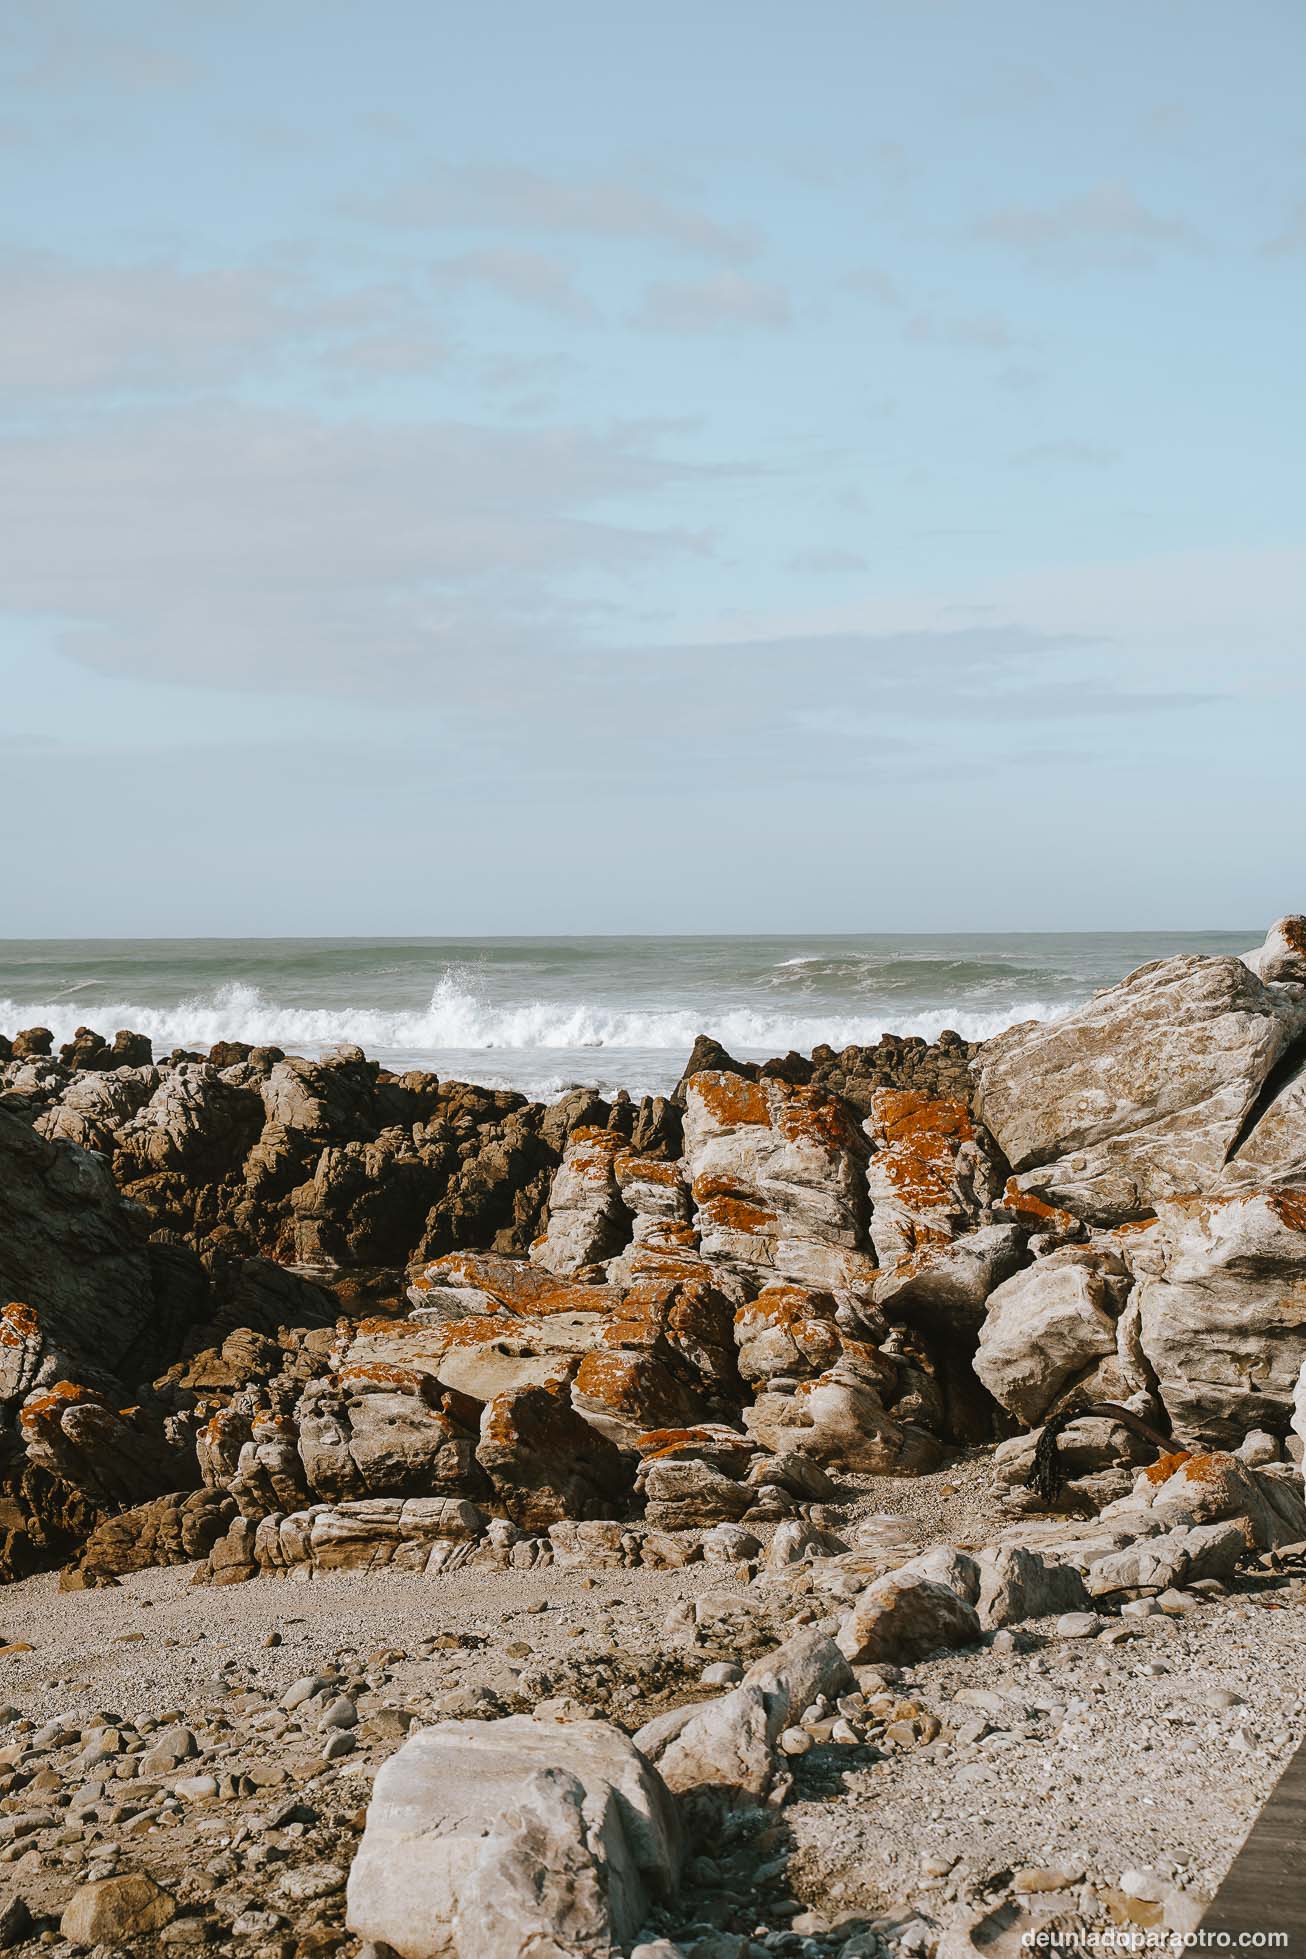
(811, 1115)
(18, 1324)
(732, 1101)
(384, 1374)
(1031, 1209)
(1164, 1467)
(736, 1214)
(907, 1115)
(1289, 1206)
(56, 1401)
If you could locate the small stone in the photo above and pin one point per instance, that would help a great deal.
(722, 1673)
(1175, 1603)
(1045, 1877)
(795, 1741)
(1140, 1608)
(341, 1713)
(196, 1788)
(1078, 1625)
(339, 1742)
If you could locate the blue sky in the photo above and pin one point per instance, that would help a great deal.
(689, 468)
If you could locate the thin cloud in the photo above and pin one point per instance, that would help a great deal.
(1291, 237)
(1108, 225)
(502, 197)
(529, 278)
(718, 304)
(245, 547)
(74, 327)
(1066, 453)
(827, 563)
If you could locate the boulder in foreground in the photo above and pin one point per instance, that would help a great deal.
(513, 1839)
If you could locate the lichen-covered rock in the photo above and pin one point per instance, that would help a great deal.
(1283, 955)
(1144, 1093)
(546, 1462)
(112, 1456)
(588, 1219)
(787, 1330)
(930, 1176)
(777, 1173)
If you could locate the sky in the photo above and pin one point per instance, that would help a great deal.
(697, 468)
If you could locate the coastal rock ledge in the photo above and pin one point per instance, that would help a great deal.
(275, 1317)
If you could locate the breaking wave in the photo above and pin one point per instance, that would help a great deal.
(459, 1015)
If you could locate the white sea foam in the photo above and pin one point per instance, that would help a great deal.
(459, 1016)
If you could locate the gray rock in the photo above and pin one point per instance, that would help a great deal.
(506, 1831)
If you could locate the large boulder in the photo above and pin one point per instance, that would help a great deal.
(903, 1617)
(1222, 1310)
(1052, 1331)
(728, 1746)
(778, 1178)
(1143, 1094)
(513, 1839)
(377, 1429)
(839, 1419)
(1283, 955)
(546, 1462)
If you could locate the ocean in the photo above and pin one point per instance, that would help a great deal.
(542, 1015)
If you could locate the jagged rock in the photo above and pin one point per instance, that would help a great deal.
(1283, 955)
(81, 1297)
(1051, 1331)
(175, 1529)
(1144, 1093)
(778, 1179)
(76, 1435)
(546, 1462)
(1222, 1310)
(900, 1620)
(330, 1103)
(944, 1288)
(377, 1429)
(1016, 1583)
(930, 1177)
(839, 1418)
(588, 1221)
(93, 1107)
(486, 1839)
(194, 1123)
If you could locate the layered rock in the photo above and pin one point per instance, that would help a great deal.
(777, 1174)
(1144, 1094)
(1221, 1303)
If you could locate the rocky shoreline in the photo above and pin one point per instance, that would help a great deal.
(905, 1431)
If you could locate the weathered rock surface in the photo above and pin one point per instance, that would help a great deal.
(1052, 1331)
(507, 1839)
(1145, 1093)
(1222, 1310)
